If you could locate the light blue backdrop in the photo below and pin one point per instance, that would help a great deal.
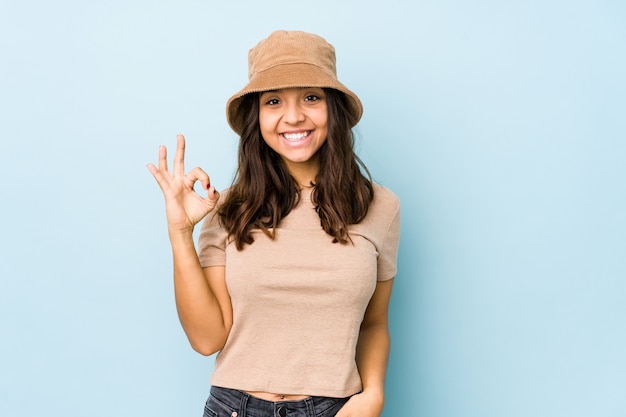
(500, 124)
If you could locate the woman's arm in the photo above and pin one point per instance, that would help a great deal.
(201, 298)
(202, 301)
(371, 356)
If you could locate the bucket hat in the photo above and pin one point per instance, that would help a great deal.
(288, 59)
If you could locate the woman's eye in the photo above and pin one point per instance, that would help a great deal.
(311, 97)
(272, 102)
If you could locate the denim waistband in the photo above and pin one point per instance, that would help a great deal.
(243, 404)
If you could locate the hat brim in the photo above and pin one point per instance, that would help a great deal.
(289, 76)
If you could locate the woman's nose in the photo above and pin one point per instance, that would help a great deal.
(293, 114)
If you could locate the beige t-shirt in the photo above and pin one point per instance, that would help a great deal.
(299, 300)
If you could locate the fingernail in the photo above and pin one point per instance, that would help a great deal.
(208, 186)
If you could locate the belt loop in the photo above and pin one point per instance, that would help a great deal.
(244, 404)
(310, 406)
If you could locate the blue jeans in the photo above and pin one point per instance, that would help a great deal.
(225, 402)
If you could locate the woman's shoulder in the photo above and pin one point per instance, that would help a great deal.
(384, 207)
(382, 214)
(385, 198)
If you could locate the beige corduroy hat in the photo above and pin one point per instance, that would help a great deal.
(288, 59)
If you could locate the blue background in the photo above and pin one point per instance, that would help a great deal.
(500, 124)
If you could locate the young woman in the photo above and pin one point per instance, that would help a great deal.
(295, 263)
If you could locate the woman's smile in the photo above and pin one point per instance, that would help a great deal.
(295, 137)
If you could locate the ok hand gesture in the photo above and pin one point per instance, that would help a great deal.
(183, 206)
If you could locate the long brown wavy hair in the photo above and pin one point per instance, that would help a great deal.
(264, 192)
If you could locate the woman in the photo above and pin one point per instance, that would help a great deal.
(293, 274)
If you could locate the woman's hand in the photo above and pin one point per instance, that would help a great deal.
(362, 405)
(183, 206)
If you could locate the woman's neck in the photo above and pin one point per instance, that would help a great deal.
(304, 173)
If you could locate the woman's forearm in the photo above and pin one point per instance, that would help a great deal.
(198, 309)
(372, 356)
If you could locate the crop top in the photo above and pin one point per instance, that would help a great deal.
(299, 300)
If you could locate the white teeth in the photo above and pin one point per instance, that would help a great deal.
(296, 136)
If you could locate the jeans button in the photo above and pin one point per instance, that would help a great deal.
(282, 412)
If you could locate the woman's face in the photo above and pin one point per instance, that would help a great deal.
(294, 124)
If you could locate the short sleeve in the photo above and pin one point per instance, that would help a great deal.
(388, 253)
(212, 242)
